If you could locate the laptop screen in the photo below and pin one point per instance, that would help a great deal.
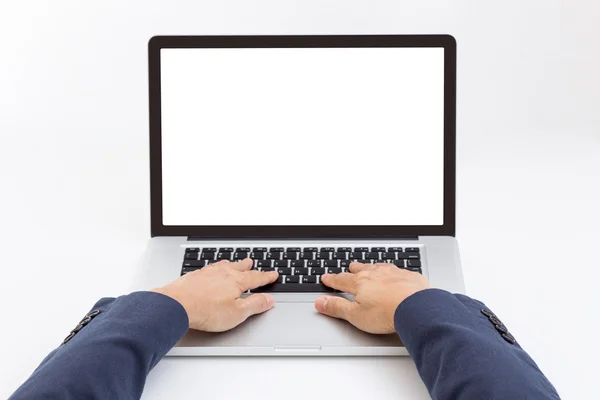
(302, 136)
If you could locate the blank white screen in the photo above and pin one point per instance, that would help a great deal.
(335, 136)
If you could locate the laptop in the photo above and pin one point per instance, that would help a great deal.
(304, 153)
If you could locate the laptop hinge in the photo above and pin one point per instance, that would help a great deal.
(317, 239)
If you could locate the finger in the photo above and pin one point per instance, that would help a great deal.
(256, 304)
(336, 307)
(344, 282)
(356, 267)
(254, 279)
(243, 265)
(219, 263)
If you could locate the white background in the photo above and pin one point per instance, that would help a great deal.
(303, 136)
(74, 197)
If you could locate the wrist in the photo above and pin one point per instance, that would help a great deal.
(166, 291)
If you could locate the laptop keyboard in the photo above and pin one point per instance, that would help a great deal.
(299, 268)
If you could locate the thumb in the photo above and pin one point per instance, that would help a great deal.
(257, 303)
(336, 307)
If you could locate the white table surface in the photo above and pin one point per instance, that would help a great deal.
(74, 206)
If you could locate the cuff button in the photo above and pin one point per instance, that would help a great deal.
(509, 338)
(71, 335)
(501, 328)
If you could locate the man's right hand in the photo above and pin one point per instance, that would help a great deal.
(378, 290)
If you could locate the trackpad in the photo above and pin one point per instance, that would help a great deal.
(290, 326)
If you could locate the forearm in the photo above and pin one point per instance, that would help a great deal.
(461, 355)
(111, 356)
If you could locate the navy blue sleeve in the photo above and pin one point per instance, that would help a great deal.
(461, 353)
(112, 352)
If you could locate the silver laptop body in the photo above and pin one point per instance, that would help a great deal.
(293, 327)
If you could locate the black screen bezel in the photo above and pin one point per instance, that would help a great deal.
(302, 232)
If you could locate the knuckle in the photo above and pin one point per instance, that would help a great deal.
(363, 274)
(332, 306)
(263, 304)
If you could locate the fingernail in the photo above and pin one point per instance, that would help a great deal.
(270, 299)
(325, 276)
(320, 303)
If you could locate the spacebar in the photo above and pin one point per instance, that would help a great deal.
(292, 288)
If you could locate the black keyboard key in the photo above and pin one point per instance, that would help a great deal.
(292, 279)
(190, 256)
(267, 269)
(344, 249)
(212, 261)
(224, 256)
(276, 250)
(359, 249)
(294, 249)
(413, 264)
(309, 279)
(415, 270)
(307, 256)
(187, 270)
(210, 249)
(414, 256)
(257, 255)
(323, 256)
(226, 250)
(243, 249)
(326, 249)
(314, 263)
(345, 263)
(284, 271)
(240, 255)
(402, 256)
(192, 250)
(388, 256)
(194, 264)
(340, 256)
(290, 255)
(317, 271)
(292, 288)
(412, 250)
(334, 270)
(395, 249)
(331, 263)
(310, 249)
(377, 248)
(261, 249)
(371, 256)
(264, 263)
(273, 256)
(280, 263)
(356, 256)
(207, 255)
(399, 263)
(301, 271)
(297, 264)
